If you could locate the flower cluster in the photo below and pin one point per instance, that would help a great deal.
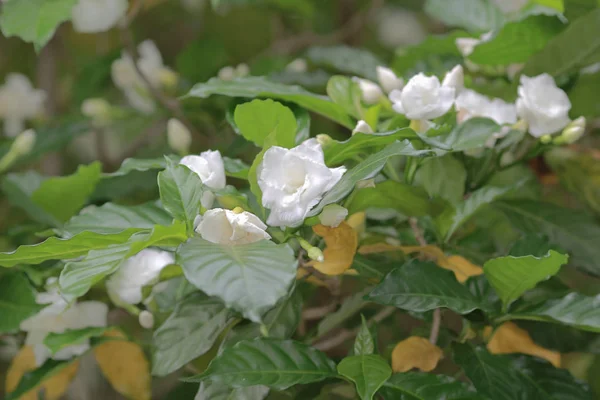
(19, 102)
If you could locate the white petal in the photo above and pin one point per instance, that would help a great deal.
(91, 16)
(388, 80)
(455, 78)
(362, 127)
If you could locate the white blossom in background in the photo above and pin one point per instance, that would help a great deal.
(543, 105)
(362, 127)
(294, 180)
(471, 104)
(397, 27)
(125, 285)
(231, 227)
(423, 97)
(57, 317)
(371, 92)
(573, 132)
(178, 136)
(388, 79)
(299, 65)
(24, 143)
(19, 101)
(510, 6)
(455, 78)
(333, 215)
(150, 63)
(466, 45)
(230, 73)
(146, 319)
(211, 170)
(91, 16)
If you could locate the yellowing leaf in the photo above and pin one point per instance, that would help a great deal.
(53, 387)
(462, 268)
(124, 365)
(341, 244)
(509, 338)
(415, 352)
(357, 221)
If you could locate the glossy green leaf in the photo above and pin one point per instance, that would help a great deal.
(574, 231)
(139, 164)
(471, 134)
(443, 177)
(61, 249)
(18, 189)
(17, 301)
(236, 168)
(190, 331)
(422, 286)
(181, 193)
(217, 391)
(277, 364)
(364, 344)
(34, 20)
(346, 59)
(258, 119)
(368, 372)
(249, 278)
(260, 87)
(423, 386)
(583, 96)
(512, 276)
(408, 200)
(57, 341)
(113, 218)
(576, 47)
(577, 8)
(473, 15)
(347, 94)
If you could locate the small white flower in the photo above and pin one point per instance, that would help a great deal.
(231, 227)
(178, 135)
(242, 70)
(371, 92)
(423, 97)
(19, 101)
(294, 180)
(226, 73)
(398, 27)
(209, 167)
(125, 285)
(24, 143)
(455, 78)
(466, 45)
(574, 131)
(146, 319)
(299, 65)
(543, 105)
(90, 16)
(510, 6)
(362, 127)
(471, 104)
(388, 79)
(333, 215)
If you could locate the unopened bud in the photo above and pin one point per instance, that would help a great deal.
(179, 136)
(242, 70)
(521, 126)
(299, 65)
(371, 92)
(96, 108)
(573, 132)
(316, 254)
(455, 78)
(238, 210)
(546, 139)
(168, 78)
(146, 319)
(388, 80)
(362, 127)
(226, 73)
(24, 143)
(324, 140)
(333, 215)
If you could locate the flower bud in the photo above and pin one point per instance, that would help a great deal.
(99, 110)
(238, 210)
(333, 215)
(324, 140)
(455, 78)
(179, 136)
(546, 139)
(314, 253)
(299, 65)
(242, 70)
(146, 319)
(362, 127)
(168, 78)
(24, 143)
(226, 73)
(388, 79)
(371, 92)
(573, 132)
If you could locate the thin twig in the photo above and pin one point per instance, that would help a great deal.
(318, 312)
(417, 232)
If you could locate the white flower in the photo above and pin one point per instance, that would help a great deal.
(423, 98)
(388, 79)
(146, 319)
(230, 73)
(466, 45)
(574, 131)
(58, 317)
(126, 77)
(510, 6)
(371, 92)
(455, 78)
(19, 101)
(471, 104)
(333, 215)
(242, 70)
(209, 167)
(543, 105)
(231, 227)
(294, 180)
(397, 27)
(125, 285)
(362, 127)
(178, 135)
(299, 65)
(90, 16)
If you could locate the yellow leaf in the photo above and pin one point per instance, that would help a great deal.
(415, 352)
(53, 388)
(463, 269)
(341, 244)
(124, 365)
(357, 221)
(509, 338)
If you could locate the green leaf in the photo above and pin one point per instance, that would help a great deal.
(423, 386)
(181, 193)
(277, 364)
(236, 168)
(576, 47)
(517, 41)
(216, 391)
(346, 59)
(137, 164)
(57, 341)
(60, 249)
(408, 200)
(17, 301)
(368, 372)
(190, 331)
(512, 276)
(258, 119)
(473, 15)
(365, 170)
(337, 152)
(347, 94)
(443, 177)
(31, 379)
(260, 87)
(363, 344)
(471, 134)
(575, 310)
(574, 231)
(422, 286)
(577, 8)
(350, 306)
(77, 277)
(113, 218)
(583, 96)
(249, 278)
(34, 20)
